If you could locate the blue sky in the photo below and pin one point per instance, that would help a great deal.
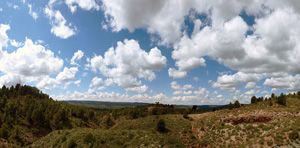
(176, 52)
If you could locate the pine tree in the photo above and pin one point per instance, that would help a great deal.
(230, 106)
(237, 104)
(253, 100)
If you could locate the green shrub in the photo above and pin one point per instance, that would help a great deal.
(161, 126)
(89, 138)
(110, 122)
(270, 143)
(294, 135)
(71, 144)
(185, 114)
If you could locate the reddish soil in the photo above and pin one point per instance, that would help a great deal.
(247, 119)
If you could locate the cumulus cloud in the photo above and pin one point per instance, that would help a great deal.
(96, 82)
(162, 98)
(63, 78)
(252, 92)
(83, 4)
(201, 91)
(223, 35)
(231, 82)
(128, 62)
(3, 36)
(112, 96)
(184, 66)
(109, 82)
(76, 57)
(221, 43)
(67, 74)
(60, 27)
(176, 86)
(47, 83)
(139, 89)
(15, 43)
(176, 74)
(30, 60)
(250, 85)
(287, 82)
(165, 18)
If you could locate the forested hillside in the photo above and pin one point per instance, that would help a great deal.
(27, 114)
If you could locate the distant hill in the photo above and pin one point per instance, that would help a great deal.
(209, 107)
(104, 104)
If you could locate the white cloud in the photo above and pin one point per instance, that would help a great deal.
(30, 60)
(154, 16)
(252, 92)
(176, 86)
(60, 28)
(225, 38)
(187, 92)
(231, 82)
(77, 56)
(109, 82)
(220, 43)
(83, 4)
(177, 92)
(127, 62)
(184, 65)
(251, 85)
(3, 36)
(269, 49)
(117, 97)
(242, 98)
(220, 96)
(1, 9)
(77, 82)
(196, 79)
(96, 82)
(67, 74)
(139, 89)
(165, 18)
(201, 91)
(63, 78)
(286, 82)
(265, 92)
(176, 74)
(112, 96)
(15, 43)
(47, 83)
(32, 13)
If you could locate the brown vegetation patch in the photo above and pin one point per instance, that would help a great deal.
(247, 119)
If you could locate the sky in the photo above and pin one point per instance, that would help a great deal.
(189, 52)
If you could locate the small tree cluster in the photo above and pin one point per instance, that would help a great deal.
(235, 105)
(281, 99)
(255, 100)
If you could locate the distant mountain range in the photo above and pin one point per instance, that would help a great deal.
(103, 104)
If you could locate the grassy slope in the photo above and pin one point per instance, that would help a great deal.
(214, 129)
(140, 132)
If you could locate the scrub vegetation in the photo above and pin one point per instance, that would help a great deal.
(30, 118)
